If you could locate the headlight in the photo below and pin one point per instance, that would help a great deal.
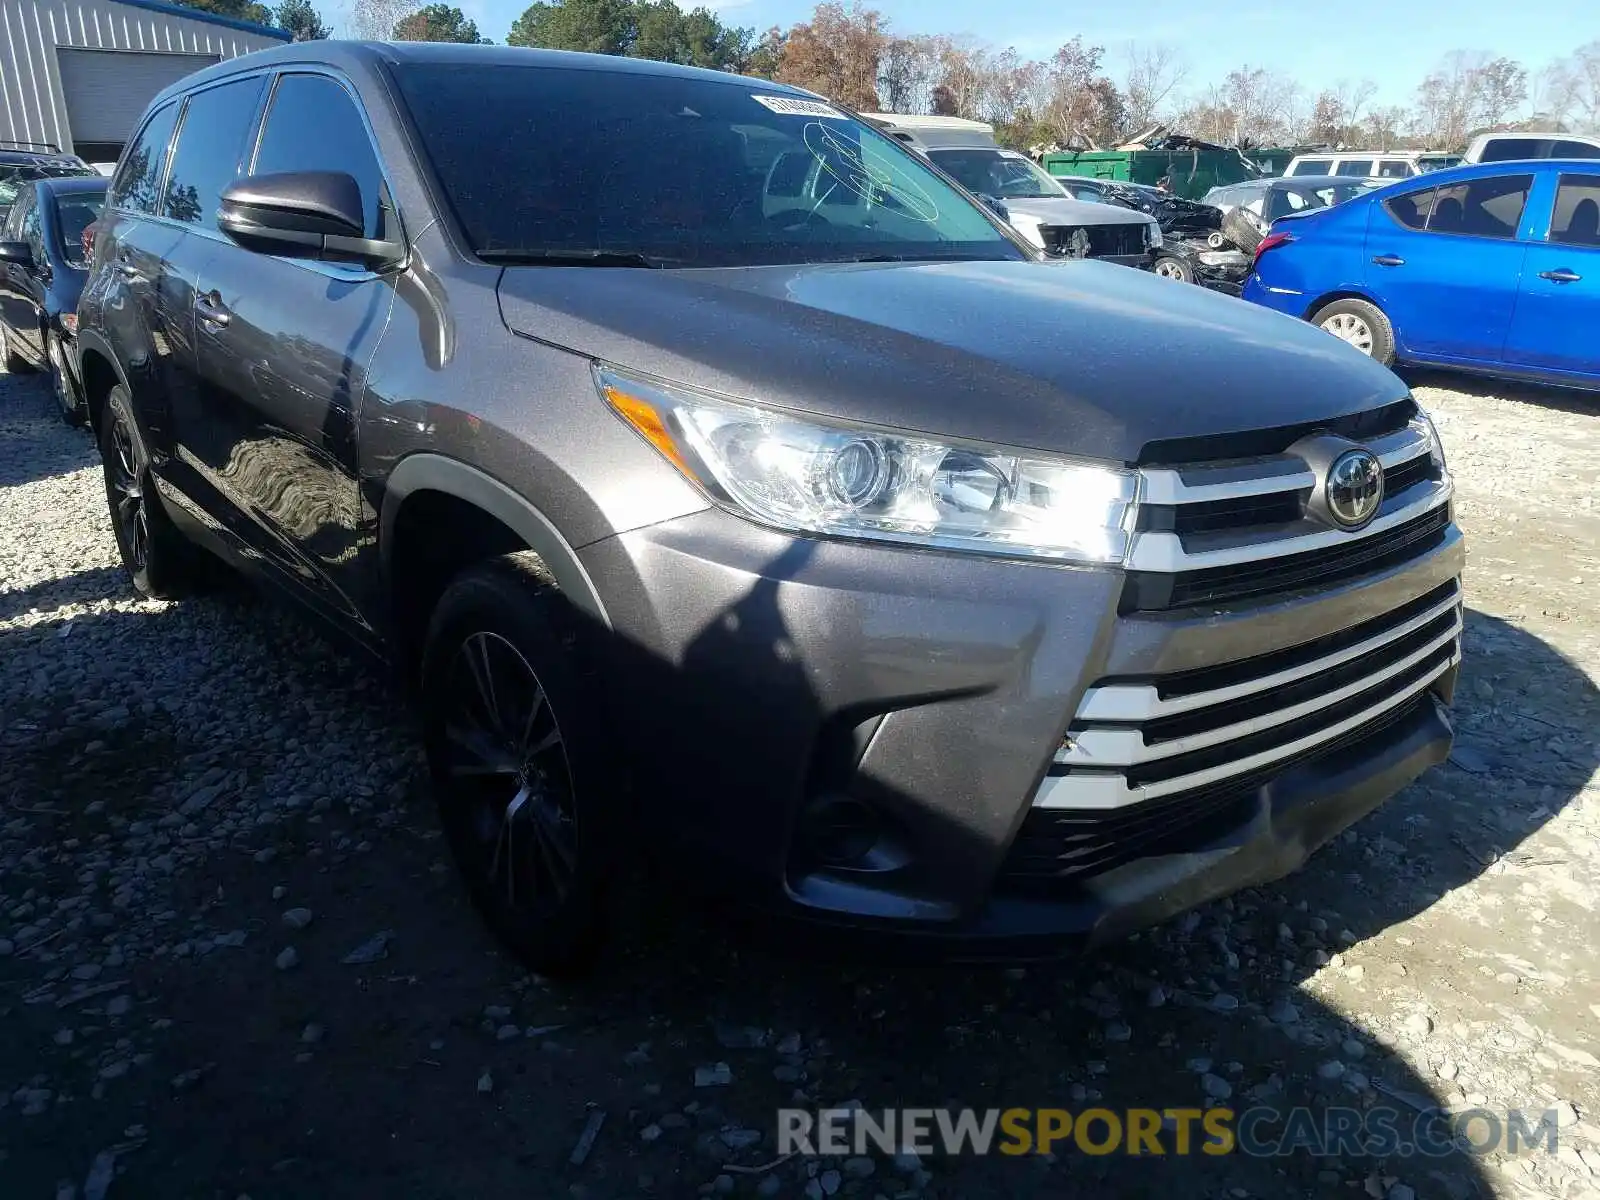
(833, 480)
(1028, 227)
(1435, 442)
(1155, 236)
(69, 322)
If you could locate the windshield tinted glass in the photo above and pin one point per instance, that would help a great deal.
(75, 212)
(540, 160)
(993, 173)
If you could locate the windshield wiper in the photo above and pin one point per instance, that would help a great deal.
(569, 258)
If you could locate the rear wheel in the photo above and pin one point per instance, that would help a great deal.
(161, 562)
(1361, 324)
(520, 774)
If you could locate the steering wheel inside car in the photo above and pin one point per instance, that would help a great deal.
(795, 219)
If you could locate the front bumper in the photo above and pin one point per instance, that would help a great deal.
(773, 687)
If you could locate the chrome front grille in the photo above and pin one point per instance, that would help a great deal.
(1222, 531)
(1175, 736)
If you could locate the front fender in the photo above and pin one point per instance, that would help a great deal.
(426, 471)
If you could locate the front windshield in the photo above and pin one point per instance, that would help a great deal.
(997, 173)
(548, 169)
(75, 212)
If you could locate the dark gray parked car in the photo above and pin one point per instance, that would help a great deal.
(44, 261)
(839, 549)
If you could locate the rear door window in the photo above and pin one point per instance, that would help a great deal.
(1394, 168)
(1508, 149)
(1488, 208)
(1313, 166)
(211, 143)
(138, 184)
(1359, 167)
(1576, 220)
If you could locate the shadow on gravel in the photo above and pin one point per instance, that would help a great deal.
(1570, 400)
(85, 587)
(237, 1098)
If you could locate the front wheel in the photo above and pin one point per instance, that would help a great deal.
(14, 364)
(66, 401)
(1360, 324)
(1170, 266)
(512, 722)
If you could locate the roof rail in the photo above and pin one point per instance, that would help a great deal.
(41, 147)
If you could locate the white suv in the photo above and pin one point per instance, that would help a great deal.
(1371, 164)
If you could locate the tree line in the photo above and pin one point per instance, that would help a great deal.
(1082, 96)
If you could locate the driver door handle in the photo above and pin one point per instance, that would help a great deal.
(211, 309)
(126, 268)
(1561, 275)
(1389, 260)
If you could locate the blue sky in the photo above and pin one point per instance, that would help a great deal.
(1392, 43)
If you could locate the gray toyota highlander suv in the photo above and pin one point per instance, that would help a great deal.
(836, 548)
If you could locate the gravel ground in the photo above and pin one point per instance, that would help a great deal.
(233, 961)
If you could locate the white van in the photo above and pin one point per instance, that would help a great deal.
(1507, 147)
(1371, 164)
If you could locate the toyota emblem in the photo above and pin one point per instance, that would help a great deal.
(1355, 488)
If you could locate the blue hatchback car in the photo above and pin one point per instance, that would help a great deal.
(1493, 268)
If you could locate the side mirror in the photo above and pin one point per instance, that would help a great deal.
(304, 214)
(16, 252)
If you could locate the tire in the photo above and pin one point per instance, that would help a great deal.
(504, 641)
(72, 412)
(161, 562)
(1170, 266)
(14, 365)
(1239, 229)
(1362, 325)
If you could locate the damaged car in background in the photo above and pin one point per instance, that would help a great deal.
(1033, 201)
(1193, 248)
(1249, 209)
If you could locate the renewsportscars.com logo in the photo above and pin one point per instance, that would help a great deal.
(1258, 1132)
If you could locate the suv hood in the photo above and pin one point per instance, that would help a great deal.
(1073, 357)
(1068, 211)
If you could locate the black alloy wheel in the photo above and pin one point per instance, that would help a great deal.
(161, 562)
(521, 759)
(511, 786)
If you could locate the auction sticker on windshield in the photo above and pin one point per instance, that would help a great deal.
(790, 106)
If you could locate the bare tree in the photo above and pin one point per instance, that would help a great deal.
(1150, 77)
(1381, 127)
(1502, 86)
(1568, 90)
(908, 71)
(375, 20)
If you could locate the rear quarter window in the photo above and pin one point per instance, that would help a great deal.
(1411, 209)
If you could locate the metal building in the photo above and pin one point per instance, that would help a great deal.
(77, 74)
